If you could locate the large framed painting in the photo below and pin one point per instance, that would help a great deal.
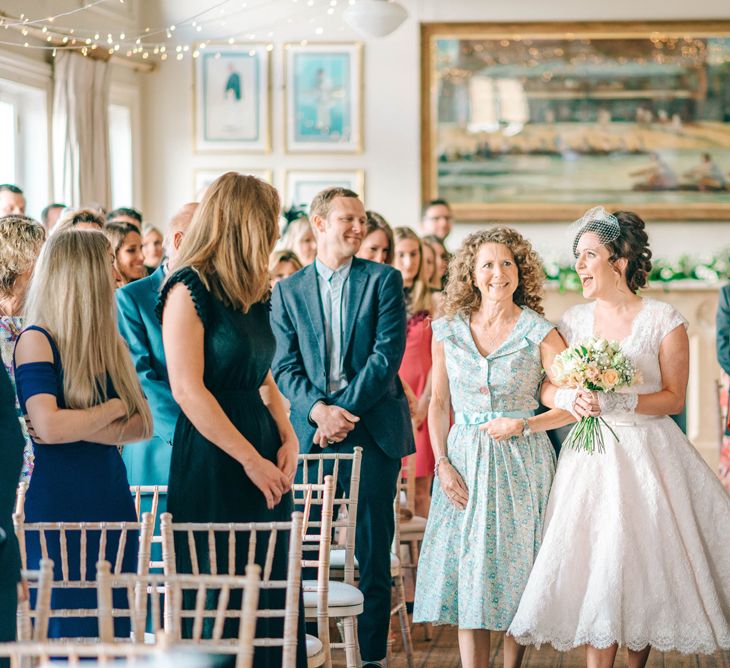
(540, 121)
(323, 85)
(301, 185)
(202, 178)
(232, 98)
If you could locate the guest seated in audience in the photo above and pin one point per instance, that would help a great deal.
(127, 215)
(282, 264)
(51, 215)
(437, 218)
(126, 243)
(496, 467)
(80, 219)
(152, 247)
(340, 327)
(11, 457)
(723, 357)
(78, 390)
(234, 450)
(299, 238)
(21, 240)
(377, 244)
(12, 200)
(429, 264)
(148, 463)
(438, 280)
(415, 369)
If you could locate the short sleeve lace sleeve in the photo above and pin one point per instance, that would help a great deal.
(191, 280)
(667, 318)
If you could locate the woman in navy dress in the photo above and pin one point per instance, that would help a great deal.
(81, 398)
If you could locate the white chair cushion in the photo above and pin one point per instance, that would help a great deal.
(343, 600)
(315, 650)
(337, 562)
(415, 525)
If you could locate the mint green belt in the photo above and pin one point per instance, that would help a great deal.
(463, 417)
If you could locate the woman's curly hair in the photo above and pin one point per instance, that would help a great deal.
(462, 295)
(21, 239)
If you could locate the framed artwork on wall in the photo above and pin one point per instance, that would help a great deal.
(202, 178)
(541, 121)
(232, 98)
(301, 185)
(323, 106)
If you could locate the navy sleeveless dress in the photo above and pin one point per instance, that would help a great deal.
(206, 484)
(75, 482)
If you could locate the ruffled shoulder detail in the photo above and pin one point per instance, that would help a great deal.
(198, 292)
(444, 328)
(537, 327)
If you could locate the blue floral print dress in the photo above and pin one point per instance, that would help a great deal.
(475, 563)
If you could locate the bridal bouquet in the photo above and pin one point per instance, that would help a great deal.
(596, 365)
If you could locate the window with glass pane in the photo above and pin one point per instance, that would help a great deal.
(8, 153)
(120, 155)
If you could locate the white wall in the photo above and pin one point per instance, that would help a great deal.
(391, 111)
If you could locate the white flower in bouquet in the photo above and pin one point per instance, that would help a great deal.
(596, 365)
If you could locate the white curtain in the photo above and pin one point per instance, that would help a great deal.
(81, 130)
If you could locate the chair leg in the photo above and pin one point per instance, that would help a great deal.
(405, 626)
(352, 652)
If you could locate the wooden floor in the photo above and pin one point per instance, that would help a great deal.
(443, 652)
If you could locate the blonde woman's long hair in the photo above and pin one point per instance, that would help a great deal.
(71, 294)
(230, 238)
(421, 296)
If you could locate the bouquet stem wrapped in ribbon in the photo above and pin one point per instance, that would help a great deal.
(598, 365)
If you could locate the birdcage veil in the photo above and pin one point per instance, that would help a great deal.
(598, 221)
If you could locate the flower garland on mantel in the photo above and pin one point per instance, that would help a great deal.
(691, 271)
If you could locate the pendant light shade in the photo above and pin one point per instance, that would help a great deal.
(375, 18)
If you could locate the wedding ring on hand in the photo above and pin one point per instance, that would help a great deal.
(330, 442)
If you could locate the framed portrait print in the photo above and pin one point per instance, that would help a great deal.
(202, 178)
(302, 185)
(323, 106)
(541, 121)
(232, 100)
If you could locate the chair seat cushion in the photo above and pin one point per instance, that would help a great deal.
(337, 562)
(415, 525)
(343, 598)
(314, 646)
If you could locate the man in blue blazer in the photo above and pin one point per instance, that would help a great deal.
(148, 462)
(340, 327)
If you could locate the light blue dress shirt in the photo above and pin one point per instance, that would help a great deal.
(334, 305)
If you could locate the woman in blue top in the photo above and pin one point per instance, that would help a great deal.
(496, 466)
(81, 398)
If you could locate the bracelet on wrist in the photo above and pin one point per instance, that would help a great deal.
(442, 458)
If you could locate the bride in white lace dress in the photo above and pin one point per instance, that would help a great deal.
(633, 552)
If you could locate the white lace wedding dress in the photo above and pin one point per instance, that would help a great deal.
(636, 549)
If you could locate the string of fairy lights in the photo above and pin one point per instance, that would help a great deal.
(48, 34)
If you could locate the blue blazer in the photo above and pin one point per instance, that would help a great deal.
(148, 462)
(373, 346)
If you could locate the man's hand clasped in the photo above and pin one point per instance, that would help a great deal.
(333, 424)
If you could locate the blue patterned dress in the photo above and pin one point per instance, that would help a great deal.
(475, 563)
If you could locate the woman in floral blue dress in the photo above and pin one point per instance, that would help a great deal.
(495, 469)
(21, 239)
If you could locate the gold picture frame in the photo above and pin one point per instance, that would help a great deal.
(479, 83)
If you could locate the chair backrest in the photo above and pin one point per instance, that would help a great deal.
(343, 522)
(316, 501)
(33, 622)
(218, 549)
(145, 593)
(151, 492)
(407, 484)
(54, 537)
(22, 654)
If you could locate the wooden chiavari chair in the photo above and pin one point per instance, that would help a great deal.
(150, 493)
(214, 547)
(85, 543)
(207, 623)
